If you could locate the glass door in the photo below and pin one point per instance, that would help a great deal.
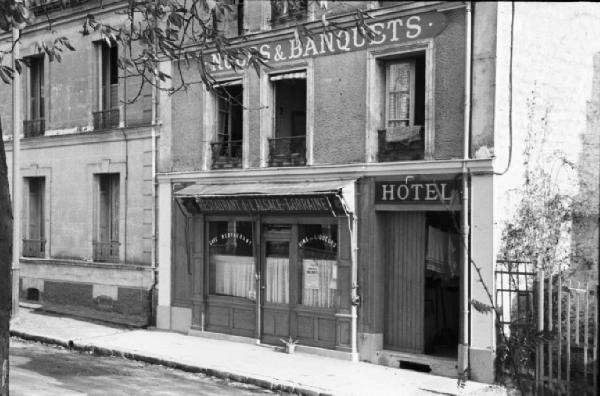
(275, 282)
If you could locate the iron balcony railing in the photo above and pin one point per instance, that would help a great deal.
(32, 128)
(106, 119)
(34, 247)
(106, 251)
(226, 154)
(287, 151)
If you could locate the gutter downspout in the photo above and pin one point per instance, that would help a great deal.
(154, 123)
(463, 363)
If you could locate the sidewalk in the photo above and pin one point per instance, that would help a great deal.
(259, 365)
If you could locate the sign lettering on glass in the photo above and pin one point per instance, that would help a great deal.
(345, 39)
(417, 189)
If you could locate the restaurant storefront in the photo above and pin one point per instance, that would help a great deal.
(273, 261)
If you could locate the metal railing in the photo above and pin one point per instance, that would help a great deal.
(287, 151)
(32, 128)
(106, 119)
(106, 251)
(226, 154)
(34, 248)
(45, 6)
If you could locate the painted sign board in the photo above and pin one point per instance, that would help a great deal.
(269, 204)
(436, 189)
(397, 30)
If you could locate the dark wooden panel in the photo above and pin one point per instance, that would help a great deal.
(306, 327)
(244, 319)
(181, 282)
(343, 327)
(405, 280)
(276, 322)
(326, 329)
(218, 316)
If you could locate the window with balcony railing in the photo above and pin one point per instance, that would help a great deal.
(288, 145)
(108, 115)
(34, 243)
(227, 149)
(288, 10)
(40, 7)
(106, 243)
(35, 124)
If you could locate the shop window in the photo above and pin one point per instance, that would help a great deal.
(288, 146)
(106, 244)
(231, 259)
(107, 115)
(288, 10)
(317, 252)
(35, 123)
(403, 138)
(34, 243)
(227, 149)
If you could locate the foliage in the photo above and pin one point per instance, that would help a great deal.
(155, 31)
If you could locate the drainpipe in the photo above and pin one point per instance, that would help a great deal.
(463, 363)
(154, 123)
(16, 177)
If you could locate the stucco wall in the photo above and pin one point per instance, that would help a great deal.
(68, 163)
(555, 89)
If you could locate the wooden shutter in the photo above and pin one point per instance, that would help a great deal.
(36, 209)
(405, 281)
(103, 209)
(36, 91)
(114, 208)
(400, 93)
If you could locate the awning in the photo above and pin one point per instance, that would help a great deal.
(312, 197)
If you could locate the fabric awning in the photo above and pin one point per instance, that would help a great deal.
(288, 76)
(334, 196)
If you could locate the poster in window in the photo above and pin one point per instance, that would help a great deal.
(311, 277)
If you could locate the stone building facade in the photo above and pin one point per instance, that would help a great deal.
(353, 195)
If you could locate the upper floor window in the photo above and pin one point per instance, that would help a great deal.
(34, 124)
(227, 149)
(288, 146)
(34, 241)
(403, 138)
(107, 115)
(286, 10)
(231, 20)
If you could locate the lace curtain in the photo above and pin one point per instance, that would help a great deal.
(234, 276)
(278, 280)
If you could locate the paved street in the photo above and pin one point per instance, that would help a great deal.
(38, 369)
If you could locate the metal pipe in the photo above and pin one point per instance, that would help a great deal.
(465, 278)
(16, 176)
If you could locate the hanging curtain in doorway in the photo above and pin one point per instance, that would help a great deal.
(234, 275)
(319, 282)
(442, 248)
(278, 280)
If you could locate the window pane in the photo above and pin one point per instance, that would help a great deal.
(278, 272)
(317, 250)
(231, 267)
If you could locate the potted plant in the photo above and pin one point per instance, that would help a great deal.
(290, 344)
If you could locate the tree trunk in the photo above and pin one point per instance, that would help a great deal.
(5, 265)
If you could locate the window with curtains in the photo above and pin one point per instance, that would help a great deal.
(318, 269)
(227, 149)
(231, 259)
(403, 138)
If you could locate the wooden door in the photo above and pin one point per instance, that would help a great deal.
(405, 281)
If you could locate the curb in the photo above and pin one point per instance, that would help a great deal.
(264, 383)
